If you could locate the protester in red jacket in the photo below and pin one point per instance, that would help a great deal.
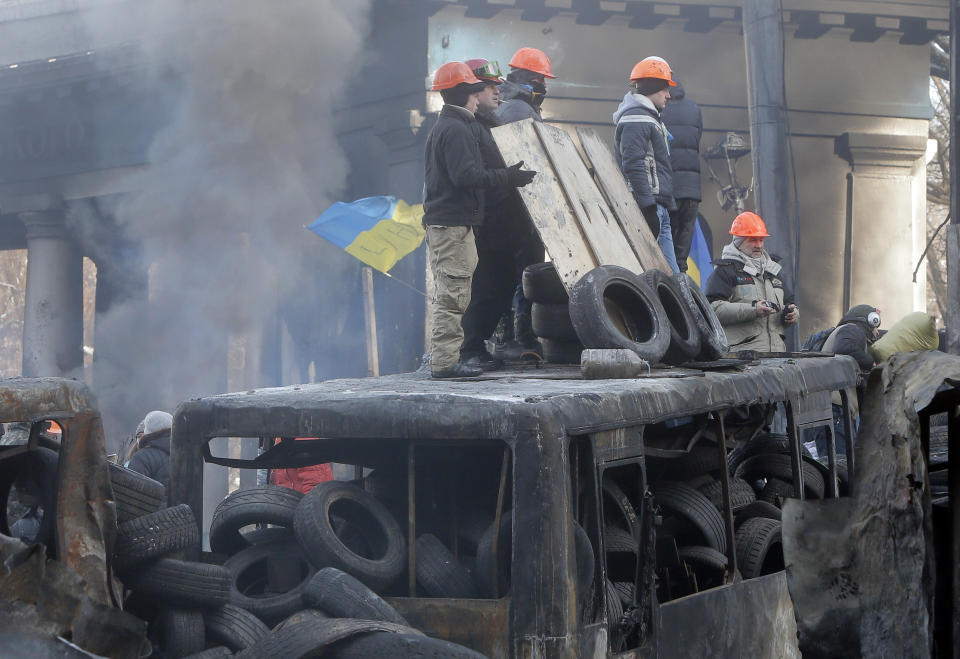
(301, 479)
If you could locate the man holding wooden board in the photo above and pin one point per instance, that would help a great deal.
(642, 148)
(455, 184)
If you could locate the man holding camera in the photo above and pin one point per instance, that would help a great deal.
(747, 293)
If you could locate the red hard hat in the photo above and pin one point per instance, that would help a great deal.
(749, 225)
(534, 60)
(452, 74)
(485, 70)
(653, 67)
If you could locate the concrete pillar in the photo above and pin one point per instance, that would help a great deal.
(882, 212)
(53, 314)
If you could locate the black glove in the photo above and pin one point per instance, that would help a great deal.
(653, 220)
(517, 177)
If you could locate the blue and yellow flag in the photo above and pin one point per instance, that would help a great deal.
(698, 261)
(377, 230)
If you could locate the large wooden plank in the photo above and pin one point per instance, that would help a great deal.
(546, 202)
(598, 223)
(618, 195)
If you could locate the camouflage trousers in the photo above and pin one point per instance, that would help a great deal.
(453, 258)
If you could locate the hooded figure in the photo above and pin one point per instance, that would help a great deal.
(854, 335)
(525, 87)
(152, 457)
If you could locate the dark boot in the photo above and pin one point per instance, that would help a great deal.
(523, 331)
(458, 370)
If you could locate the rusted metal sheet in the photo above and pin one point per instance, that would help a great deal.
(861, 569)
(749, 619)
(71, 595)
(478, 624)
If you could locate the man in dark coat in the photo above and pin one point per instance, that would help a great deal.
(456, 182)
(642, 148)
(152, 456)
(683, 119)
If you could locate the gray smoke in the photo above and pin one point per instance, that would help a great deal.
(249, 157)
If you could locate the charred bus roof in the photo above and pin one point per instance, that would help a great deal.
(414, 406)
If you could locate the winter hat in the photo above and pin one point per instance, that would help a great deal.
(738, 240)
(458, 95)
(648, 86)
(156, 421)
(861, 313)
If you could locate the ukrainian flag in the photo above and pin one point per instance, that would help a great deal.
(698, 261)
(377, 230)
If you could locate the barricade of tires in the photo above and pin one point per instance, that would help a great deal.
(663, 318)
(299, 574)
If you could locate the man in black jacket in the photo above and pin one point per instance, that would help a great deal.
(455, 182)
(683, 119)
(152, 455)
(643, 151)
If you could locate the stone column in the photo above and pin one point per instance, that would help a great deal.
(885, 208)
(53, 314)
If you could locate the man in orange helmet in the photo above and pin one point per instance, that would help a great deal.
(526, 86)
(642, 148)
(455, 182)
(752, 302)
(521, 96)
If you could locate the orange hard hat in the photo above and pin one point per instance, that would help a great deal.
(653, 67)
(749, 225)
(452, 74)
(534, 60)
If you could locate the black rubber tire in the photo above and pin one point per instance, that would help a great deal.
(757, 509)
(155, 535)
(701, 459)
(135, 494)
(694, 507)
(483, 574)
(626, 591)
(700, 481)
(304, 615)
(249, 575)
(552, 321)
(269, 534)
(614, 605)
(183, 584)
(313, 526)
(756, 538)
(268, 504)
(713, 340)
(339, 595)
(308, 639)
(183, 632)
(765, 443)
(218, 652)
(779, 465)
(618, 510)
(439, 573)
(608, 290)
(684, 334)
(561, 352)
(41, 464)
(741, 494)
(617, 540)
(704, 557)
(775, 491)
(541, 283)
(234, 627)
(586, 561)
(386, 645)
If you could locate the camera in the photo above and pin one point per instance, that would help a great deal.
(771, 305)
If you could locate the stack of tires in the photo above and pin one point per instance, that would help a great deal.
(550, 314)
(663, 318)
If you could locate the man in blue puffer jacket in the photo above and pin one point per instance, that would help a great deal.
(683, 119)
(642, 148)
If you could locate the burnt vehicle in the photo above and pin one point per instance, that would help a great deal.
(58, 517)
(537, 514)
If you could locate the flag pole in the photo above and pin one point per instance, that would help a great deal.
(370, 321)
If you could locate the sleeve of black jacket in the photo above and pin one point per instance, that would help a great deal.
(634, 145)
(146, 461)
(852, 341)
(458, 150)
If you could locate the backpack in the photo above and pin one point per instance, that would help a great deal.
(814, 342)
